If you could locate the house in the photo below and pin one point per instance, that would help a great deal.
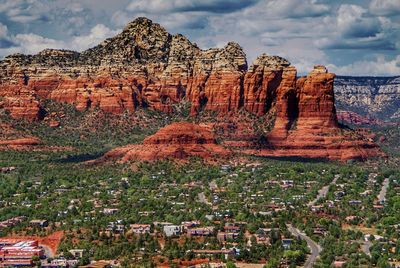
(286, 243)
(319, 231)
(224, 236)
(287, 184)
(110, 211)
(225, 168)
(231, 228)
(355, 202)
(172, 230)
(119, 228)
(15, 253)
(77, 253)
(338, 263)
(54, 263)
(201, 231)
(378, 207)
(262, 238)
(60, 262)
(223, 214)
(352, 218)
(190, 224)
(140, 228)
(98, 264)
(316, 208)
(12, 222)
(339, 194)
(39, 223)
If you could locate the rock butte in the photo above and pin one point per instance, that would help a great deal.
(30, 143)
(145, 66)
(175, 141)
(21, 142)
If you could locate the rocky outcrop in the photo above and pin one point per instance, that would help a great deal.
(20, 101)
(316, 99)
(177, 141)
(20, 142)
(374, 97)
(315, 132)
(146, 67)
(217, 80)
(268, 77)
(352, 118)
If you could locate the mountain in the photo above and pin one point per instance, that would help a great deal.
(373, 98)
(145, 67)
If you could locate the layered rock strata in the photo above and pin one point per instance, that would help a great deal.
(176, 141)
(145, 66)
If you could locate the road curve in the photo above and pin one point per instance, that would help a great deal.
(203, 199)
(323, 192)
(314, 247)
(382, 194)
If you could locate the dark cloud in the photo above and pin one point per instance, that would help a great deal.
(361, 29)
(294, 8)
(209, 6)
(217, 6)
(365, 44)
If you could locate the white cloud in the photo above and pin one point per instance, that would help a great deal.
(32, 43)
(352, 23)
(385, 7)
(3, 30)
(24, 11)
(354, 28)
(97, 34)
(378, 67)
(295, 9)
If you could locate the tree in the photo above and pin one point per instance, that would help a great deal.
(272, 263)
(230, 264)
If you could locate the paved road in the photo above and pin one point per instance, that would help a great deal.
(382, 193)
(213, 185)
(203, 199)
(365, 246)
(314, 247)
(323, 192)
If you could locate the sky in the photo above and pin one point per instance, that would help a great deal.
(350, 37)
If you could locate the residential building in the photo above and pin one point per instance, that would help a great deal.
(140, 228)
(172, 230)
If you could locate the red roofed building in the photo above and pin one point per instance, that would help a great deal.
(19, 253)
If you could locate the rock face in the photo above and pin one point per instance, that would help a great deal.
(268, 77)
(217, 80)
(315, 133)
(352, 118)
(146, 67)
(376, 97)
(20, 142)
(176, 141)
(31, 143)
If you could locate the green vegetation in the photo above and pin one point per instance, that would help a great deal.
(88, 202)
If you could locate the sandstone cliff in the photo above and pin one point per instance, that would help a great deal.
(176, 141)
(146, 67)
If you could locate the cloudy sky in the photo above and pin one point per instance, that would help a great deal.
(353, 37)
